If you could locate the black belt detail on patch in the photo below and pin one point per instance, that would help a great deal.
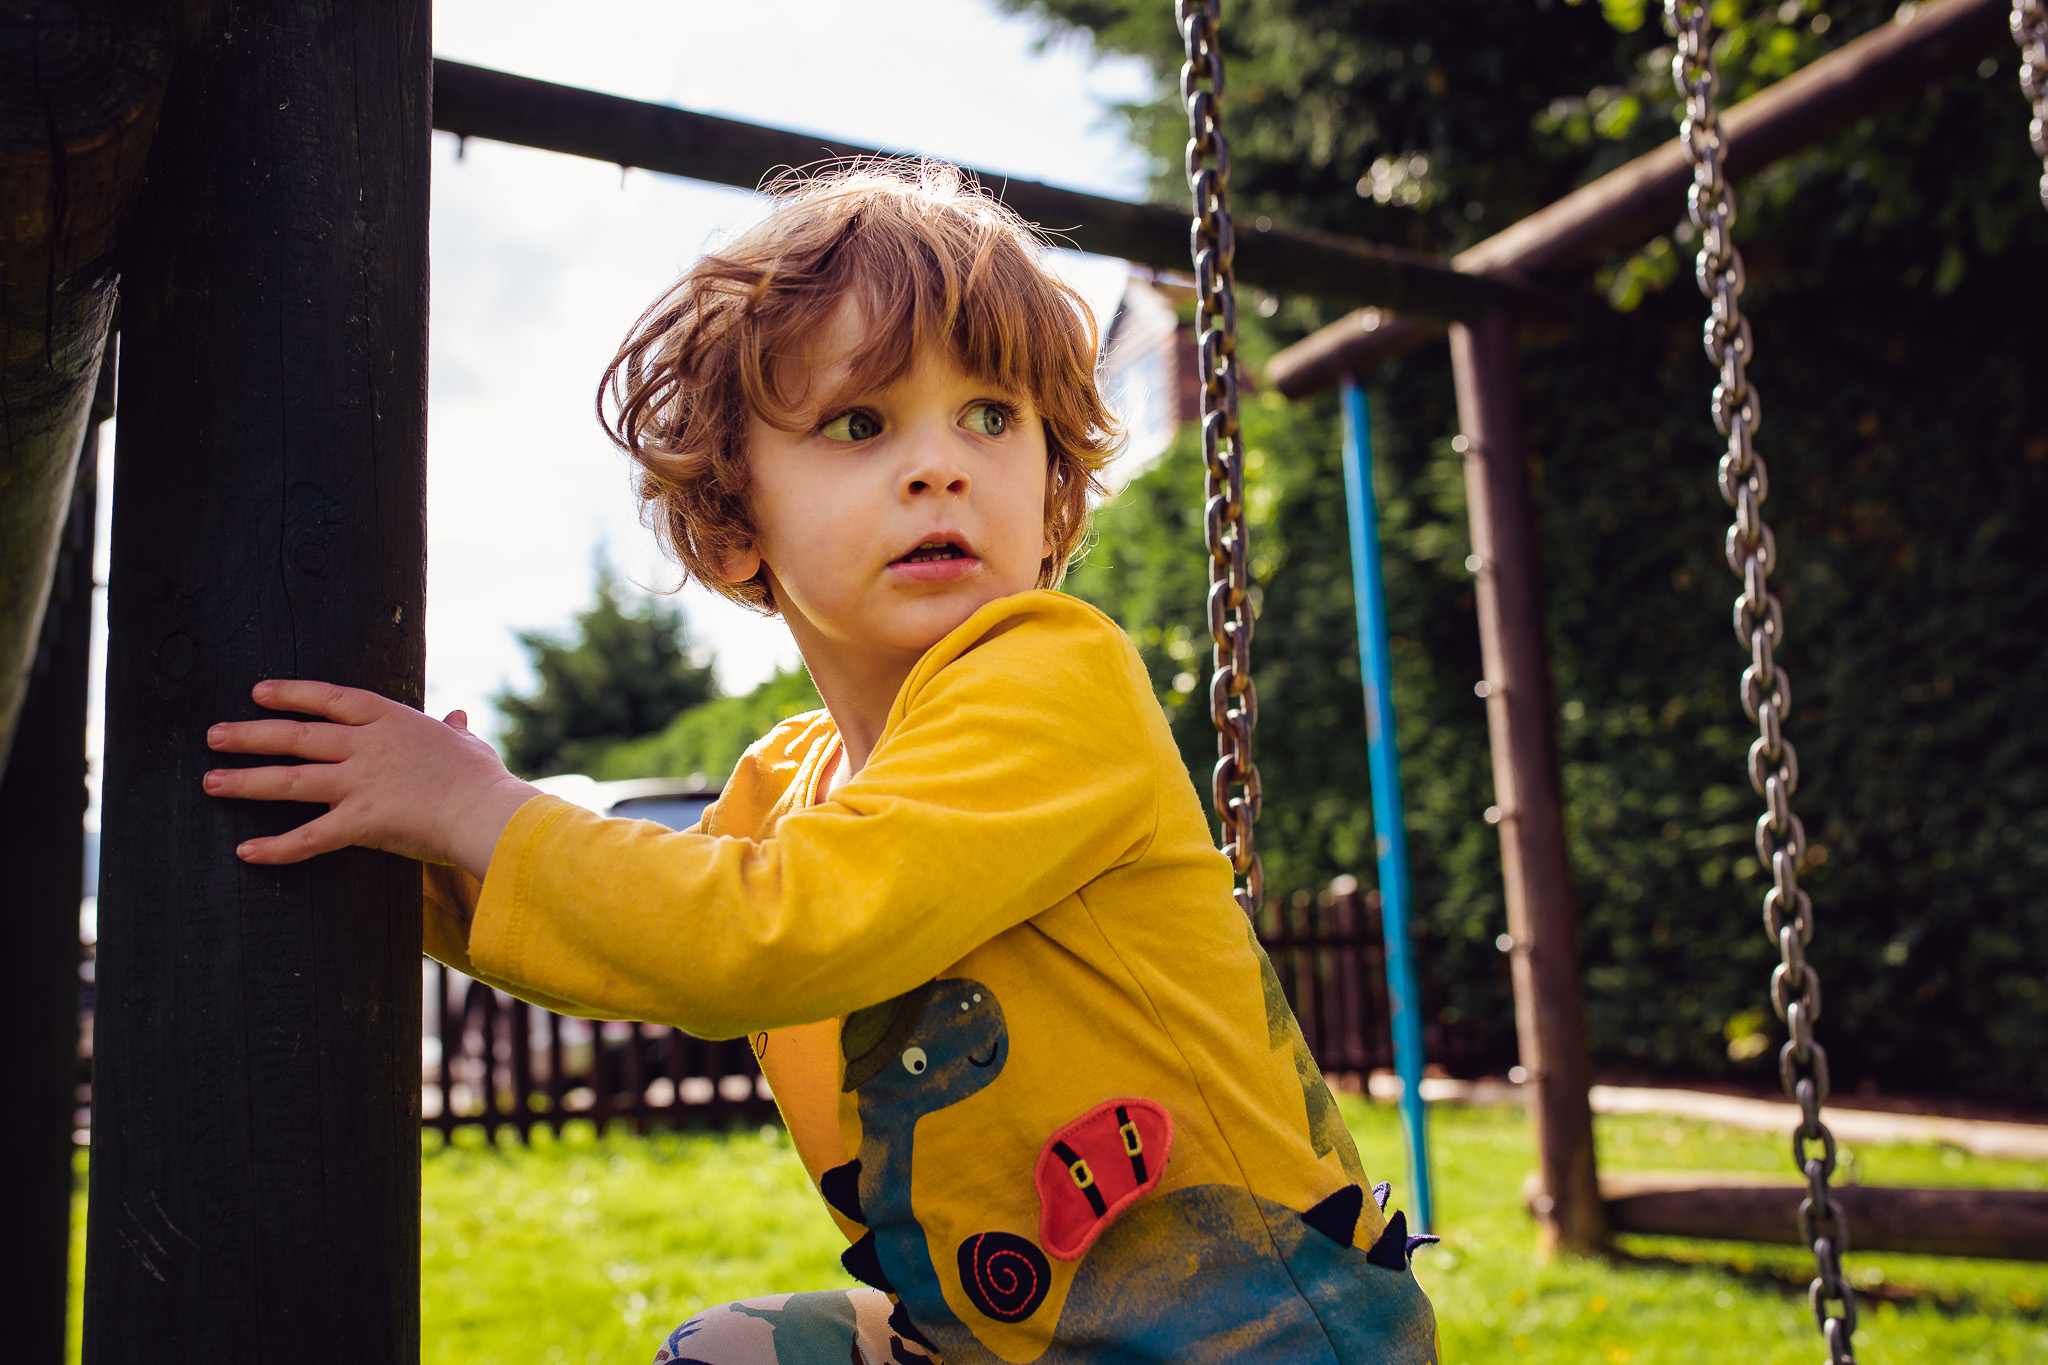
(1126, 1132)
(1092, 1189)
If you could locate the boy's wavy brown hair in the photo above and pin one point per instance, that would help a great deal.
(927, 258)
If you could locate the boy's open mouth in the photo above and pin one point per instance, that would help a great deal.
(932, 550)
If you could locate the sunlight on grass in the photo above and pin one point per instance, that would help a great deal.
(1665, 1300)
(74, 1315)
(586, 1250)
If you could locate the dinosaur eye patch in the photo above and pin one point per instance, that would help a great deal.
(871, 1036)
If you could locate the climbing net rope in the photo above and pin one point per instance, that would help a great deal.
(2030, 31)
(1766, 690)
(1233, 701)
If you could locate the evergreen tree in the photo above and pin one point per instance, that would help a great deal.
(709, 738)
(625, 672)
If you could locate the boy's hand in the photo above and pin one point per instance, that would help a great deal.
(391, 777)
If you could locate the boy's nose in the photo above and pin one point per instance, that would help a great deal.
(934, 467)
(956, 484)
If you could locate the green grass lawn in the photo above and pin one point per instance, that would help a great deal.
(586, 1250)
(1665, 1300)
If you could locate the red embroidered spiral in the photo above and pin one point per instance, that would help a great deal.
(1004, 1275)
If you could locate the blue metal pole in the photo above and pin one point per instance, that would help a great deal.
(1404, 995)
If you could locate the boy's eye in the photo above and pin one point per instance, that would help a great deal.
(851, 426)
(987, 419)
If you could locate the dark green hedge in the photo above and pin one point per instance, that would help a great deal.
(1899, 286)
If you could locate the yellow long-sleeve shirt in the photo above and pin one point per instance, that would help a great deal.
(1019, 1029)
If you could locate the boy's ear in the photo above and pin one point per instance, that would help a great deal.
(739, 565)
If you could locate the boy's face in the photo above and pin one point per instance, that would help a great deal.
(900, 512)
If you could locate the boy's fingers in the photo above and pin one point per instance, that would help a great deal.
(309, 840)
(299, 738)
(349, 705)
(317, 782)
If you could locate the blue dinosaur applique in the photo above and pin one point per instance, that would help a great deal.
(1205, 1273)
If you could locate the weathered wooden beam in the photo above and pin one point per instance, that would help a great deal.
(1550, 1011)
(471, 101)
(79, 88)
(255, 1171)
(1356, 344)
(2005, 1224)
(1928, 44)
(42, 857)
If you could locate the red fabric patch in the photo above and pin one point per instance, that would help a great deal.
(1096, 1167)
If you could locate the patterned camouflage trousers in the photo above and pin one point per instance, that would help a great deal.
(831, 1327)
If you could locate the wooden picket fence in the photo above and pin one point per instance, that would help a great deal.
(515, 1066)
(1329, 953)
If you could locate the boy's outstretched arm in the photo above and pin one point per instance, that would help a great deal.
(391, 777)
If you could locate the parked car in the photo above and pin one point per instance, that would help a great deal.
(678, 802)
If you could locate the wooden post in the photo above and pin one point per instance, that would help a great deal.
(79, 87)
(1550, 1012)
(42, 852)
(255, 1167)
(2001, 1224)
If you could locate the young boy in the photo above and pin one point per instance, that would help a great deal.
(970, 915)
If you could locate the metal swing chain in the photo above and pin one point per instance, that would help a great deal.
(1766, 690)
(2030, 31)
(1233, 702)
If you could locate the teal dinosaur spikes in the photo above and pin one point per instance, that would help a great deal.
(1337, 1217)
(864, 1263)
(841, 1188)
(1391, 1251)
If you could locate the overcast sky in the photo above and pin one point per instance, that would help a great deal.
(540, 262)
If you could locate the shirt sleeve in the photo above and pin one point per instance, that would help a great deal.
(1012, 773)
(449, 899)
